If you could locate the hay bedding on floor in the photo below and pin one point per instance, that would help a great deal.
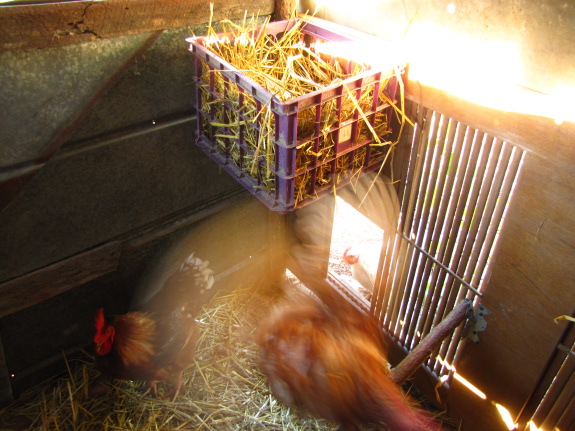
(223, 389)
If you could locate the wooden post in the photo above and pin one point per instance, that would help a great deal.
(5, 385)
(422, 351)
(284, 9)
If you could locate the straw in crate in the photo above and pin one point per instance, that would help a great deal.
(287, 121)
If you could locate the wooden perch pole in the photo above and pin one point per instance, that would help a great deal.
(422, 351)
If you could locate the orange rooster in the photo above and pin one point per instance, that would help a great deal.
(158, 342)
(331, 362)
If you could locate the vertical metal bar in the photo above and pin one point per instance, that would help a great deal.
(487, 207)
(417, 202)
(401, 164)
(424, 290)
(499, 192)
(389, 280)
(382, 275)
(241, 125)
(420, 289)
(468, 202)
(398, 293)
(437, 204)
(466, 235)
(460, 161)
(477, 206)
(461, 191)
(512, 171)
(440, 238)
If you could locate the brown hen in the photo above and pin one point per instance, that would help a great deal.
(331, 362)
(158, 342)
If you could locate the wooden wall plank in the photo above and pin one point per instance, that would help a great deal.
(532, 132)
(44, 283)
(552, 368)
(17, 178)
(57, 24)
(5, 388)
(54, 279)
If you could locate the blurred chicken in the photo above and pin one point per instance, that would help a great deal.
(323, 355)
(157, 342)
(375, 196)
(331, 362)
(363, 261)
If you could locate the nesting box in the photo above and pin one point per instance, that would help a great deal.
(289, 151)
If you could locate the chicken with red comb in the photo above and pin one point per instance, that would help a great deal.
(159, 341)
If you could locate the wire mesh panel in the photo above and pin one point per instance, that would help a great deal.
(456, 187)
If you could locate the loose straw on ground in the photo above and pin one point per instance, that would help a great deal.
(223, 389)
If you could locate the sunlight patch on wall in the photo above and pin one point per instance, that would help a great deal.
(504, 413)
(460, 379)
(457, 60)
(486, 72)
(506, 417)
(362, 52)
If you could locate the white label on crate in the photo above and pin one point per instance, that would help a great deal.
(345, 134)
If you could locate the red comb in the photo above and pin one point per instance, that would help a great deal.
(99, 321)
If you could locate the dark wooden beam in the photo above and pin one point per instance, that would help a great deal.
(15, 180)
(56, 24)
(5, 385)
(59, 277)
(44, 283)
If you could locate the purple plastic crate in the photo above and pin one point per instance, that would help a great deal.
(298, 159)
